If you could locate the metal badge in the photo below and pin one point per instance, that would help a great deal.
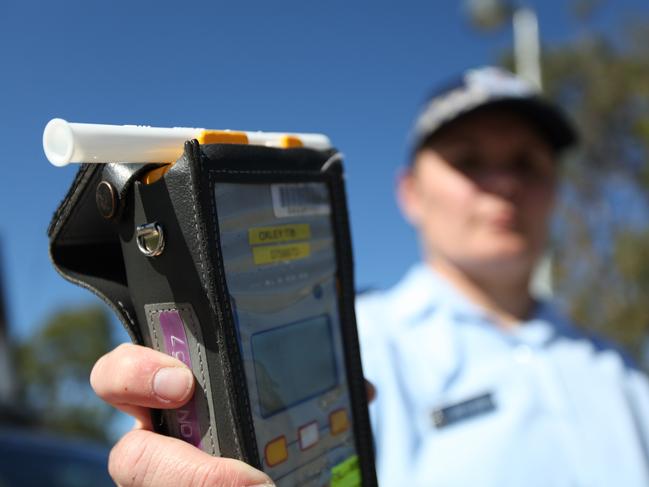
(150, 239)
(471, 408)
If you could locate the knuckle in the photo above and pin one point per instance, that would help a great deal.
(129, 460)
(106, 373)
(123, 346)
(124, 357)
(123, 349)
(127, 379)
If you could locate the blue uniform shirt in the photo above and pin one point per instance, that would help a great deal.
(462, 402)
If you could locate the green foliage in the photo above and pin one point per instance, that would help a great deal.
(602, 238)
(53, 367)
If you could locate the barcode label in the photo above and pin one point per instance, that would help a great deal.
(301, 199)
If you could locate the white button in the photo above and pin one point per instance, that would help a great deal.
(309, 435)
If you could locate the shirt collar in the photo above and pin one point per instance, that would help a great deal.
(424, 291)
(544, 326)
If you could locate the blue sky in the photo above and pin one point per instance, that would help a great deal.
(356, 71)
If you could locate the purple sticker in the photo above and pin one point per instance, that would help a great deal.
(173, 330)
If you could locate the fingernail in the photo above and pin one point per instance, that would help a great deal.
(251, 477)
(172, 383)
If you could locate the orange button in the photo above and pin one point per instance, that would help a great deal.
(276, 451)
(338, 421)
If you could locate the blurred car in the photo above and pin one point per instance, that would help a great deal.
(29, 458)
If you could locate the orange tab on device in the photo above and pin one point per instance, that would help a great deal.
(154, 174)
(290, 142)
(222, 137)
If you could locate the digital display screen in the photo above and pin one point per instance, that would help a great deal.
(293, 363)
(279, 254)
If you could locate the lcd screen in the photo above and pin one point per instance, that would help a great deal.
(293, 363)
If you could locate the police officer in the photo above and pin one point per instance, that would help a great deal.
(478, 382)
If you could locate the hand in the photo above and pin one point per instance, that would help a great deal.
(133, 379)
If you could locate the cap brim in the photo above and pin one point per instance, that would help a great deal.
(549, 120)
(555, 126)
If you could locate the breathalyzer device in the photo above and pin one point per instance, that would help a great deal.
(231, 252)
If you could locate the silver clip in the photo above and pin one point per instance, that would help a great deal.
(150, 239)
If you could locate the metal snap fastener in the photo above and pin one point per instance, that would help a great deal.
(107, 199)
(150, 239)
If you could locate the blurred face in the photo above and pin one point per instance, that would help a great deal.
(481, 194)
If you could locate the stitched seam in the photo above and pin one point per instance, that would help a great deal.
(193, 327)
(200, 247)
(200, 359)
(204, 285)
(251, 429)
(153, 328)
(64, 214)
(133, 333)
(202, 260)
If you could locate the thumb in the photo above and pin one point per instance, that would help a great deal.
(146, 459)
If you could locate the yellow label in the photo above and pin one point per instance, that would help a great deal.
(269, 254)
(346, 474)
(280, 233)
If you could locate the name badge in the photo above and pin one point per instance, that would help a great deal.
(471, 408)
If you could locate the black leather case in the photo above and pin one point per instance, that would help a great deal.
(100, 253)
